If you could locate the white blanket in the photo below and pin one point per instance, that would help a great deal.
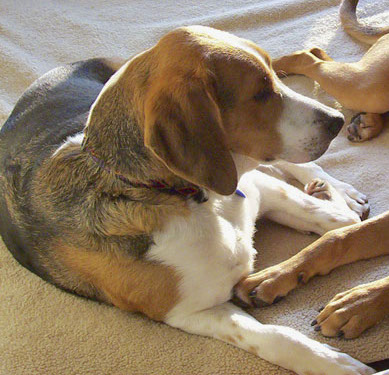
(46, 331)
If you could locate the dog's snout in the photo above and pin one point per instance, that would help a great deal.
(332, 121)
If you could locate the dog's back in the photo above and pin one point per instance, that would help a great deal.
(39, 123)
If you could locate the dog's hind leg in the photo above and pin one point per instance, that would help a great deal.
(341, 80)
(356, 86)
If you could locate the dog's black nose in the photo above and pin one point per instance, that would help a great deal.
(331, 120)
(335, 124)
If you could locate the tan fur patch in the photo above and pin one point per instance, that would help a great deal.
(130, 284)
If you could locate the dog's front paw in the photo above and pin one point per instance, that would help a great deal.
(319, 359)
(335, 363)
(350, 313)
(356, 200)
(335, 213)
(268, 286)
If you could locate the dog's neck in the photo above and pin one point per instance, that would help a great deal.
(188, 191)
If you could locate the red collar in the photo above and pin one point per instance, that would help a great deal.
(187, 192)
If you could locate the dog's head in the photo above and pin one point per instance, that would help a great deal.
(207, 94)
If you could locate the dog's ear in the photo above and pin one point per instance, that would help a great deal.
(183, 128)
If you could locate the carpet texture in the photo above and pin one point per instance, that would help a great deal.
(46, 331)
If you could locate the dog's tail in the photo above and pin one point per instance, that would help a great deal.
(360, 31)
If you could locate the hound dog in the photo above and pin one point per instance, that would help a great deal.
(362, 86)
(135, 183)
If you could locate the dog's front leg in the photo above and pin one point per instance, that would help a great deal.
(350, 313)
(306, 172)
(280, 345)
(364, 240)
(290, 206)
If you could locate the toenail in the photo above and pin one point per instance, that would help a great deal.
(314, 322)
(317, 328)
(253, 293)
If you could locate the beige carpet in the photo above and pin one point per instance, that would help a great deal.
(46, 331)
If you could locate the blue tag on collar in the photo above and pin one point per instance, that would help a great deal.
(240, 193)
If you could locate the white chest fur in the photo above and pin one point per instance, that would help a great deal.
(212, 249)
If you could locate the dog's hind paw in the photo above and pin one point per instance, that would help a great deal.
(364, 126)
